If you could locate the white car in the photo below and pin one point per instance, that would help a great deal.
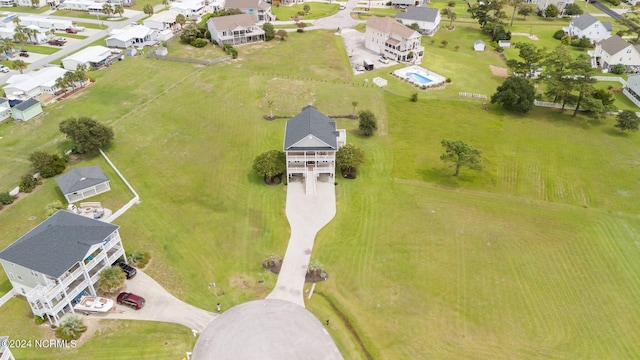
(4, 69)
(383, 60)
(343, 6)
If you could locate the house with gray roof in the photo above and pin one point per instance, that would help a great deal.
(26, 110)
(83, 182)
(311, 140)
(235, 29)
(632, 89)
(615, 50)
(588, 26)
(428, 19)
(5, 351)
(59, 260)
(5, 109)
(261, 9)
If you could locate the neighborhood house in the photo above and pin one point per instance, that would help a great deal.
(134, 35)
(616, 50)
(588, 26)
(258, 8)
(310, 143)
(83, 182)
(161, 21)
(632, 89)
(59, 260)
(26, 110)
(235, 29)
(385, 36)
(33, 83)
(428, 19)
(90, 57)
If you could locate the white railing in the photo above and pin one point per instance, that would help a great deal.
(631, 97)
(6, 297)
(622, 81)
(472, 95)
(552, 105)
(127, 206)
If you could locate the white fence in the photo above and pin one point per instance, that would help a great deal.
(6, 297)
(127, 206)
(15, 191)
(552, 105)
(622, 81)
(472, 95)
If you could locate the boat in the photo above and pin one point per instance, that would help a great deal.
(94, 303)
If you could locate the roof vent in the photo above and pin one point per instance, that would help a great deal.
(84, 178)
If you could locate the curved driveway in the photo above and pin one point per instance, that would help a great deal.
(160, 306)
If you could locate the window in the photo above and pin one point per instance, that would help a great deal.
(34, 273)
(12, 276)
(19, 277)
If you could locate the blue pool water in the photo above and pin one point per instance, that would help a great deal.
(418, 79)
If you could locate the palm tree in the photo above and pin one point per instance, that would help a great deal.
(180, 19)
(119, 10)
(107, 9)
(6, 45)
(18, 65)
(148, 9)
(20, 36)
(111, 279)
(16, 20)
(70, 78)
(71, 329)
(355, 105)
(61, 83)
(165, 3)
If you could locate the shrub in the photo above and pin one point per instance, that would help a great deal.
(139, 258)
(414, 97)
(71, 329)
(614, 2)
(300, 30)
(53, 208)
(48, 165)
(198, 42)
(552, 11)
(448, 80)
(619, 69)
(6, 199)
(39, 320)
(111, 279)
(558, 35)
(300, 13)
(28, 183)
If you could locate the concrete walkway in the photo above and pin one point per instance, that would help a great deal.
(160, 306)
(306, 215)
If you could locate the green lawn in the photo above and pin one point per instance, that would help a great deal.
(71, 36)
(30, 10)
(535, 257)
(87, 25)
(180, 49)
(318, 10)
(81, 15)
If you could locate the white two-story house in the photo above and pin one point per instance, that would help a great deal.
(235, 29)
(428, 19)
(59, 260)
(616, 50)
(385, 36)
(589, 27)
(311, 140)
(560, 4)
(632, 89)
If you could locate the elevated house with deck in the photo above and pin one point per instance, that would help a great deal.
(311, 140)
(385, 36)
(235, 29)
(59, 260)
(615, 50)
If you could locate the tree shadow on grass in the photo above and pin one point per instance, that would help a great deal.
(440, 176)
(615, 132)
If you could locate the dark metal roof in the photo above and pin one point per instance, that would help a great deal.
(419, 13)
(310, 130)
(59, 242)
(80, 178)
(26, 104)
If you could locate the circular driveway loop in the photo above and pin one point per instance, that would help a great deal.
(266, 329)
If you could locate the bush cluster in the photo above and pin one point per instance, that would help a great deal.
(230, 50)
(198, 42)
(6, 199)
(139, 259)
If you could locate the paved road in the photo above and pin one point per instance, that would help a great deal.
(307, 214)
(266, 330)
(607, 11)
(160, 306)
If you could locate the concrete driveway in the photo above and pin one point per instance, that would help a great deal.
(160, 306)
(354, 43)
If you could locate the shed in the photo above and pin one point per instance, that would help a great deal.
(478, 45)
(26, 110)
(131, 51)
(83, 182)
(162, 51)
(505, 44)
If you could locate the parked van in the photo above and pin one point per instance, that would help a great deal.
(368, 65)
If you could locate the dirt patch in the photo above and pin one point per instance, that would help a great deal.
(499, 71)
(315, 276)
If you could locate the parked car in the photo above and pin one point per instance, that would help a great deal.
(128, 270)
(343, 6)
(56, 42)
(130, 299)
(4, 69)
(24, 53)
(71, 31)
(383, 60)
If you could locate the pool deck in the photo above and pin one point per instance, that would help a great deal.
(436, 79)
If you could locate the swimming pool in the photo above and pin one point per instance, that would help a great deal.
(419, 76)
(418, 79)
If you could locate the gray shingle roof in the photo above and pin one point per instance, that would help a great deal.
(310, 124)
(80, 178)
(607, 25)
(614, 44)
(583, 21)
(59, 242)
(26, 104)
(419, 13)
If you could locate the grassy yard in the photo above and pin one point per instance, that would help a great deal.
(81, 15)
(30, 10)
(318, 10)
(535, 257)
(87, 25)
(71, 36)
(180, 49)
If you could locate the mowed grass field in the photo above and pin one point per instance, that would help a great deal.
(536, 257)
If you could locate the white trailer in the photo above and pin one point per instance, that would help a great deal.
(45, 22)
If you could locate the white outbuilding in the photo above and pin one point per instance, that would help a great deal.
(92, 56)
(478, 45)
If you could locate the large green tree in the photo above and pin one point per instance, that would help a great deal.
(368, 123)
(627, 120)
(490, 16)
(461, 154)
(86, 134)
(148, 9)
(556, 75)
(111, 279)
(269, 31)
(531, 57)
(525, 10)
(349, 158)
(582, 77)
(515, 94)
(270, 164)
(48, 165)
(19, 65)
